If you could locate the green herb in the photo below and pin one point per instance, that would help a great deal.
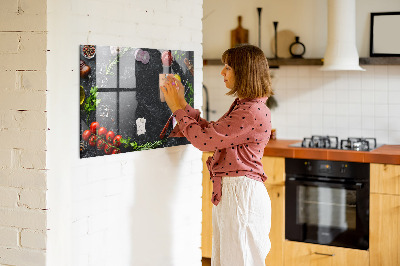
(179, 56)
(116, 60)
(91, 102)
(190, 94)
(146, 146)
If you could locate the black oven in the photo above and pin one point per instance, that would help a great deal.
(327, 202)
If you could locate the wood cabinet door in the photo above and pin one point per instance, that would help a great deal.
(384, 236)
(304, 254)
(277, 233)
(274, 168)
(206, 225)
(385, 178)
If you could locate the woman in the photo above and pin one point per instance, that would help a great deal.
(242, 211)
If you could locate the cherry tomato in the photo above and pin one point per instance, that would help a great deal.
(94, 126)
(117, 140)
(110, 136)
(86, 135)
(102, 132)
(108, 148)
(100, 144)
(115, 151)
(92, 140)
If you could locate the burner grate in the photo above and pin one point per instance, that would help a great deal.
(327, 142)
(358, 144)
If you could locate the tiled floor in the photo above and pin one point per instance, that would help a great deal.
(206, 261)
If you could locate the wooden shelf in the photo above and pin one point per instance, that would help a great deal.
(380, 61)
(274, 63)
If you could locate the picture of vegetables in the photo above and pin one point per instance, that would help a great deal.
(119, 87)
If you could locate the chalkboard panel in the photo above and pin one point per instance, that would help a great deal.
(119, 88)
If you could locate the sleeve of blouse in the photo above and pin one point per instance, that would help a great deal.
(193, 113)
(232, 130)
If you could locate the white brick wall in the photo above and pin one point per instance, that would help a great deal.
(23, 132)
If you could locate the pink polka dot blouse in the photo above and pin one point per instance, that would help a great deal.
(238, 139)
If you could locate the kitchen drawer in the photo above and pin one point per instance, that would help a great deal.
(305, 254)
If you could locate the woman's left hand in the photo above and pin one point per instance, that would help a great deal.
(170, 90)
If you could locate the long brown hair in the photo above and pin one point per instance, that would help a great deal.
(250, 66)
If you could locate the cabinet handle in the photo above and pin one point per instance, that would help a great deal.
(324, 254)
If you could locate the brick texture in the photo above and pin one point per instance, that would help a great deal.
(23, 125)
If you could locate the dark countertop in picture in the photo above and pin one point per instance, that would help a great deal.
(389, 154)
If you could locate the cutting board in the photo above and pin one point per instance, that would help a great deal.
(239, 35)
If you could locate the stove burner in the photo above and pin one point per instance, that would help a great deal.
(332, 142)
(327, 142)
(358, 144)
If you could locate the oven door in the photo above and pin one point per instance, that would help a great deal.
(327, 213)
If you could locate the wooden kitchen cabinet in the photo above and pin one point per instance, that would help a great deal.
(305, 254)
(385, 178)
(206, 225)
(277, 233)
(274, 168)
(385, 215)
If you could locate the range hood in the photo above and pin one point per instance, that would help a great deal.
(341, 51)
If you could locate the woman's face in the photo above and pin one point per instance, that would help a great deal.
(229, 76)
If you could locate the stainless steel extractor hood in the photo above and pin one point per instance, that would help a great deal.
(341, 51)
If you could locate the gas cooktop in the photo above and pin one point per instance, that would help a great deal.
(332, 142)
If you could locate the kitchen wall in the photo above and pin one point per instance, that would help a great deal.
(141, 208)
(343, 103)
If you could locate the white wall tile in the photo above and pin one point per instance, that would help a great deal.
(361, 100)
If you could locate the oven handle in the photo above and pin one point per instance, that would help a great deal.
(357, 185)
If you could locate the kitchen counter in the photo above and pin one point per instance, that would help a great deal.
(389, 154)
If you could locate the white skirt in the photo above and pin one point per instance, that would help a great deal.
(241, 223)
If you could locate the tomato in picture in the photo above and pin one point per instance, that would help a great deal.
(102, 132)
(86, 135)
(94, 126)
(92, 140)
(100, 144)
(115, 151)
(110, 136)
(108, 148)
(117, 140)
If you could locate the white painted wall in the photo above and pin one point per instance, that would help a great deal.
(306, 19)
(311, 102)
(140, 208)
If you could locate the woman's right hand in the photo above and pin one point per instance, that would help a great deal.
(181, 89)
(174, 94)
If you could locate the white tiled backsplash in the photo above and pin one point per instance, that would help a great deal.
(338, 103)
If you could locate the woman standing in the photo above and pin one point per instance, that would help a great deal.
(242, 208)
